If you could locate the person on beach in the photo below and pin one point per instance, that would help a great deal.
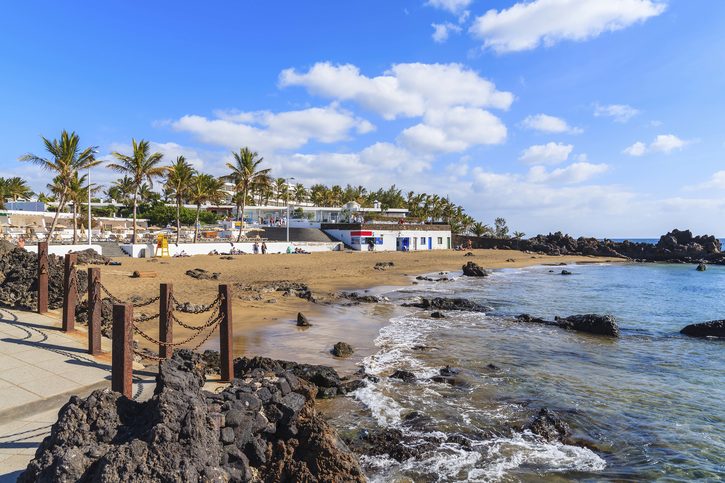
(21, 242)
(255, 248)
(264, 248)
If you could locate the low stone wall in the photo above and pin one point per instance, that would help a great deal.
(490, 243)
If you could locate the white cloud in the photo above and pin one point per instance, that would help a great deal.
(549, 124)
(441, 31)
(619, 112)
(453, 6)
(550, 153)
(666, 143)
(636, 149)
(663, 143)
(527, 25)
(716, 181)
(572, 174)
(267, 131)
(406, 90)
(454, 130)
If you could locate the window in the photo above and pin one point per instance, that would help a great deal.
(440, 240)
(422, 240)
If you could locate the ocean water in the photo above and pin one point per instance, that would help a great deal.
(649, 405)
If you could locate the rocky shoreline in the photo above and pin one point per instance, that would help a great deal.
(677, 246)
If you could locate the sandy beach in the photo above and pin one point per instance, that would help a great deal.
(262, 326)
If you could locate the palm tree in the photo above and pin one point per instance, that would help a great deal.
(43, 198)
(17, 188)
(300, 193)
(178, 180)
(479, 229)
(66, 160)
(204, 188)
(4, 191)
(77, 195)
(140, 166)
(245, 170)
(281, 191)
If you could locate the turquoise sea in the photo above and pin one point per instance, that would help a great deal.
(650, 405)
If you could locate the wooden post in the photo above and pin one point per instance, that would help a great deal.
(226, 351)
(166, 325)
(70, 292)
(122, 353)
(42, 277)
(95, 310)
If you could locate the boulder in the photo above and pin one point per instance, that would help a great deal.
(405, 376)
(91, 257)
(261, 428)
(302, 320)
(591, 323)
(384, 265)
(342, 349)
(565, 272)
(437, 315)
(201, 274)
(701, 267)
(549, 426)
(471, 269)
(441, 303)
(714, 328)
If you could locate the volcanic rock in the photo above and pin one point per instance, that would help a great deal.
(591, 323)
(471, 269)
(302, 320)
(261, 428)
(715, 328)
(405, 376)
(91, 257)
(342, 349)
(549, 426)
(201, 274)
(440, 303)
(701, 267)
(384, 265)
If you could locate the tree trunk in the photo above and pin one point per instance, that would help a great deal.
(135, 205)
(196, 224)
(75, 224)
(241, 214)
(61, 205)
(178, 219)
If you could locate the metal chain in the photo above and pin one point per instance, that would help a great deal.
(205, 339)
(182, 307)
(209, 322)
(147, 302)
(169, 344)
(146, 355)
(117, 300)
(113, 298)
(146, 318)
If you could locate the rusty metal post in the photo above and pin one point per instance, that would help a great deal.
(95, 310)
(226, 351)
(122, 353)
(42, 277)
(166, 324)
(70, 292)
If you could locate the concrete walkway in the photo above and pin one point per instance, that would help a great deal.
(40, 368)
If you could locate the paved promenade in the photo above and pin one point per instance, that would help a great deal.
(40, 368)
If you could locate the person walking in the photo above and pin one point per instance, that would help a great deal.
(255, 248)
(264, 248)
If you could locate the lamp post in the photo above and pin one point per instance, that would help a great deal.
(90, 228)
(288, 219)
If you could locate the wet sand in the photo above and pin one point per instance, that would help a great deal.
(267, 327)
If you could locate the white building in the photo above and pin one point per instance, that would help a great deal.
(391, 236)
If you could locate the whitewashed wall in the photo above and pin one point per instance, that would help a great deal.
(390, 239)
(61, 250)
(137, 250)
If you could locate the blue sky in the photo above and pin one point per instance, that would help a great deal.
(591, 117)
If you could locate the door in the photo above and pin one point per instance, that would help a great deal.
(430, 243)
